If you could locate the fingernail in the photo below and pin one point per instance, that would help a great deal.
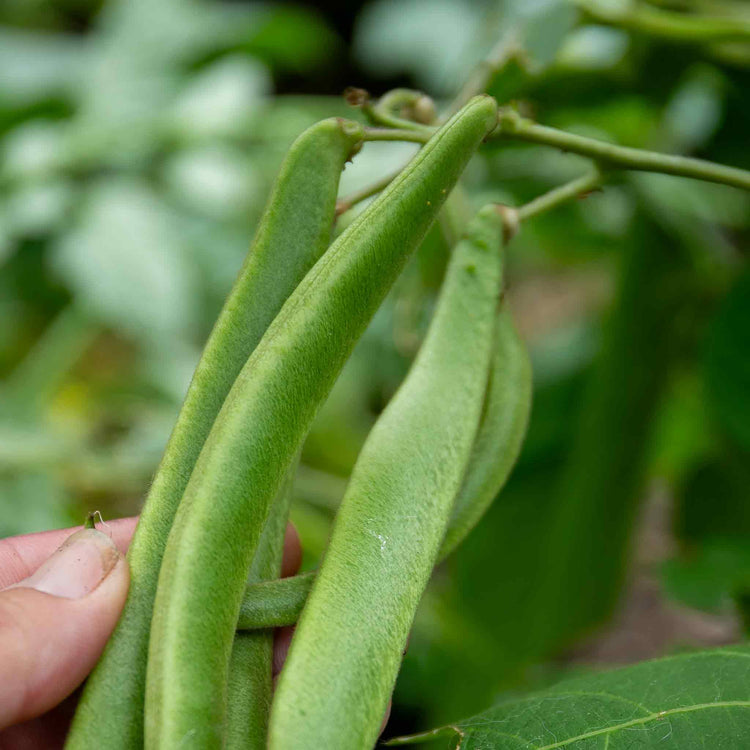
(74, 570)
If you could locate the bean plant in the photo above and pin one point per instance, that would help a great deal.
(189, 664)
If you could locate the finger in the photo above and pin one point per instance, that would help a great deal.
(282, 638)
(292, 552)
(54, 624)
(21, 555)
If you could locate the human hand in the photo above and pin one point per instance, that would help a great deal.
(61, 593)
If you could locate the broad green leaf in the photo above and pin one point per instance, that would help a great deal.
(686, 702)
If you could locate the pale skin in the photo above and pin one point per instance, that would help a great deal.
(60, 598)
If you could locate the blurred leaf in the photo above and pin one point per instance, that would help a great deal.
(593, 48)
(710, 576)
(728, 363)
(39, 208)
(543, 25)
(683, 433)
(214, 180)
(36, 65)
(38, 376)
(32, 502)
(713, 500)
(695, 110)
(684, 702)
(34, 149)
(392, 38)
(294, 39)
(222, 98)
(124, 262)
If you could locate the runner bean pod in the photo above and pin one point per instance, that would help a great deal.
(501, 432)
(262, 425)
(345, 654)
(293, 233)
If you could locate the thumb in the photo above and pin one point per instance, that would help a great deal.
(55, 623)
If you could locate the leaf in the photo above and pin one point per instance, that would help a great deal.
(32, 501)
(36, 65)
(392, 38)
(709, 578)
(221, 99)
(697, 700)
(125, 263)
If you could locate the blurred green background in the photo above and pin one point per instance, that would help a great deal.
(138, 140)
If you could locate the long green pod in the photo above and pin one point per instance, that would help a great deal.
(501, 432)
(262, 425)
(273, 604)
(344, 658)
(293, 233)
(249, 685)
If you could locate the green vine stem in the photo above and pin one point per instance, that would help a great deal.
(513, 125)
(344, 204)
(577, 188)
(398, 134)
(403, 109)
(665, 24)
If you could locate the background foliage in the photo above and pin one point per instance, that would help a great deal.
(138, 141)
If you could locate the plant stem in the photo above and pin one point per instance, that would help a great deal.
(569, 191)
(677, 27)
(398, 134)
(385, 110)
(512, 125)
(344, 204)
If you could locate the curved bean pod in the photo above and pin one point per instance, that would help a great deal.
(262, 425)
(496, 447)
(273, 604)
(345, 655)
(501, 432)
(249, 685)
(292, 235)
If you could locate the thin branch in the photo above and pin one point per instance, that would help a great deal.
(344, 204)
(512, 125)
(387, 110)
(677, 27)
(394, 134)
(577, 188)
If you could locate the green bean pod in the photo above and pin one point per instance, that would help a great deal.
(344, 658)
(501, 432)
(250, 686)
(496, 447)
(273, 604)
(262, 425)
(293, 233)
